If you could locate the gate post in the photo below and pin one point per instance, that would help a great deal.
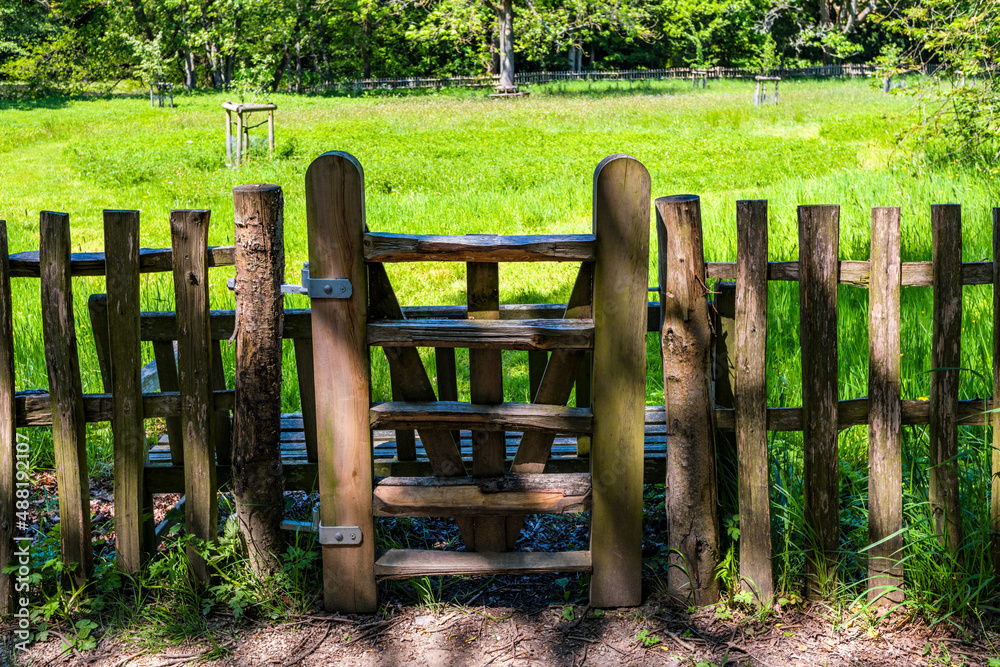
(621, 279)
(335, 215)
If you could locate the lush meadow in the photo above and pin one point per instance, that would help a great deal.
(459, 163)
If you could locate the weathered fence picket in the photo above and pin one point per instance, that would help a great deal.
(819, 237)
(189, 234)
(9, 462)
(69, 428)
(946, 253)
(885, 452)
(994, 403)
(133, 533)
(750, 399)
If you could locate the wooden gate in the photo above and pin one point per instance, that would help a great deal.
(489, 495)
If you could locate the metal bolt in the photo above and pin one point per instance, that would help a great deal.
(328, 289)
(353, 537)
(339, 537)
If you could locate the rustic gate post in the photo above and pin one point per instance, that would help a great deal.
(819, 234)
(756, 572)
(133, 535)
(686, 339)
(335, 214)
(621, 279)
(885, 454)
(8, 435)
(258, 482)
(69, 428)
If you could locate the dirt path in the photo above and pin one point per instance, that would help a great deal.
(481, 636)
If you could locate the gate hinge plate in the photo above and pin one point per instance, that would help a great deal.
(315, 288)
(339, 535)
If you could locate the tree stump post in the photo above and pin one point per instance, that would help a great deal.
(258, 483)
(686, 339)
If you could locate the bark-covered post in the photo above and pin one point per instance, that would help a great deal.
(258, 484)
(506, 20)
(686, 339)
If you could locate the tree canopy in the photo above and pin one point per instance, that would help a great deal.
(266, 44)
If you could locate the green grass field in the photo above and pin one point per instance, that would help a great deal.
(458, 163)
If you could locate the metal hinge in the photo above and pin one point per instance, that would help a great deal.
(315, 288)
(339, 535)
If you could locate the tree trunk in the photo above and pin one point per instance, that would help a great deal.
(190, 73)
(258, 482)
(366, 56)
(494, 38)
(507, 46)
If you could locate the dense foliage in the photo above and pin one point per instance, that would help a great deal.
(267, 44)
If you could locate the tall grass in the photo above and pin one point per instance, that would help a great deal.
(455, 162)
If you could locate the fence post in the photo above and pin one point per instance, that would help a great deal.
(946, 257)
(885, 454)
(751, 399)
(69, 429)
(189, 236)
(335, 214)
(819, 234)
(258, 482)
(686, 342)
(621, 280)
(133, 534)
(995, 403)
(8, 434)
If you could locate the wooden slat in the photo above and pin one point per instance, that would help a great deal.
(223, 421)
(189, 235)
(307, 392)
(166, 373)
(10, 463)
(447, 376)
(885, 453)
(537, 359)
(478, 248)
(97, 307)
(406, 447)
(69, 426)
(994, 404)
(133, 533)
(25, 264)
(485, 334)
(451, 496)
(854, 272)
(946, 358)
(621, 284)
(501, 417)
(486, 388)
(686, 342)
(162, 325)
(335, 216)
(406, 563)
(750, 400)
(557, 379)
(819, 232)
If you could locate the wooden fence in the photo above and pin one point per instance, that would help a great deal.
(525, 78)
(491, 462)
